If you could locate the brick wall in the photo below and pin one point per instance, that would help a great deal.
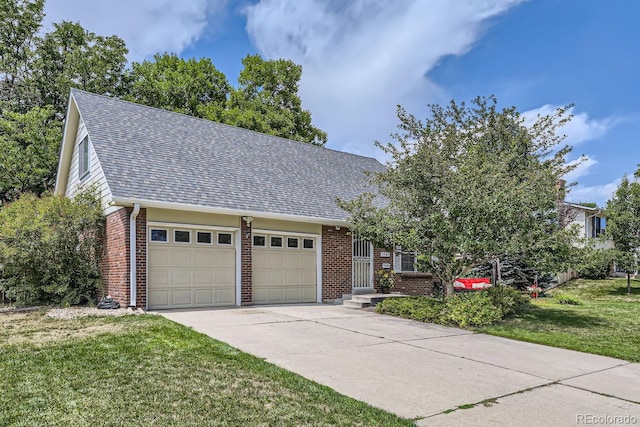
(141, 258)
(406, 283)
(246, 273)
(115, 265)
(336, 262)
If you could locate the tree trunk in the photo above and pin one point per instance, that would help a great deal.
(628, 283)
(450, 290)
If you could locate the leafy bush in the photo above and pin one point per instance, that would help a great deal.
(424, 309)
(565, 299)
(473, 309)
(49, 249)
(595, 263)
(470, 309)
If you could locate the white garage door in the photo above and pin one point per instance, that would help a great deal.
(284, 269)
(191, 267)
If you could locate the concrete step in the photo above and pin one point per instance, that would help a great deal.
(355, 304)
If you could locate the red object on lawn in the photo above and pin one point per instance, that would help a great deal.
(472, 283)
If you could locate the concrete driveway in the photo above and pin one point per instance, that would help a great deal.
(424, 371)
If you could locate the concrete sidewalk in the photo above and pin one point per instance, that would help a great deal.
(424, 371)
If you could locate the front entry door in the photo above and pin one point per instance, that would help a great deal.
(362, 264)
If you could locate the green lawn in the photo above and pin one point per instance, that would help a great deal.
(146, 370)
(607, 321)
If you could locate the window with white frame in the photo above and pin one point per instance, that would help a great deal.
(259, 240)
(293, 242)
(405, 261)
(204, 238)
(83, 158)
(225, 239)
(181, 236)
(159, 235)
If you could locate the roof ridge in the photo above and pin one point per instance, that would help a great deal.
(73, 89)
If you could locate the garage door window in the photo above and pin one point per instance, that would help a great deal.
(159, 235)
(181, 236)
(275, 242)
(204, 238)
(307, 243)
(224, 239)
(293, 242)
(259, 241)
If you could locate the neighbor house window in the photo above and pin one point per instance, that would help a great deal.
(158, 235)
(83, 158)
(259, 241)
(181, 236)
(224, 238)
(275, 242)
(293, 242)
(307, 243)
(204, 237)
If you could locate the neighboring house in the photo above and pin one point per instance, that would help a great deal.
(202, 214)
(591, 222)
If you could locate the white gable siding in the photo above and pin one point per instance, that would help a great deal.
(96, 176)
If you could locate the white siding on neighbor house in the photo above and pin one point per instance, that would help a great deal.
(96, 175)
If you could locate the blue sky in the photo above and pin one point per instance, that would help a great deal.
(362, 57)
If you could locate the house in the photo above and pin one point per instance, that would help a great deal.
(591, 222)
(203, 214)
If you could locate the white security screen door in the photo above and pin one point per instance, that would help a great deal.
(362, 264)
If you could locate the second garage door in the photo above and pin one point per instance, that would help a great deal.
(284, 269)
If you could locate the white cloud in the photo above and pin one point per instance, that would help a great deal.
(597, 193)
(583, 168)
(147, 26)
(580, 129)
(362, 58)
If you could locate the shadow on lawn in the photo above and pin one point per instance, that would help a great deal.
(561, 317)
(622, 290)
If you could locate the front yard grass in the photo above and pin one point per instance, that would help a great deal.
(606, 322)
(146, 370)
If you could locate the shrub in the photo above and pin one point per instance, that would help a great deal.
(471, 309)
(50, 247)
(594, 263)
(560, 298)
(508, 300)
(424, 309)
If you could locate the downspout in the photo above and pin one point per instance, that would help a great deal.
(132, 254)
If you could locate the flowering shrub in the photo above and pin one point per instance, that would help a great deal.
(386, 278)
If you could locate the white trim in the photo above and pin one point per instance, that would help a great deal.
(372, 276)
(191, 226)
(201, 243)
(297, 239)
(173, 240)
(286, 233)
(313, 241)
(319, 269)
(279, 247)
(150, 229)
(123, 201)
(238, 237)
(218, 238)
(253, 244)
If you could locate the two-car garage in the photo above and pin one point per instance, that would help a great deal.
(198, 266)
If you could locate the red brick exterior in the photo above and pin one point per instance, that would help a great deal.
(246, 273)
(115, 265)
(406, 283)
(336, 262)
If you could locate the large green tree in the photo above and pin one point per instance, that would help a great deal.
(267, 101)
(70, 56)
(467, 185)
(20, 21)
(623, 224)
(30, 145)
(188, 86)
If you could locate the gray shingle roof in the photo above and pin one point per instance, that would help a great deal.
(153, 154)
